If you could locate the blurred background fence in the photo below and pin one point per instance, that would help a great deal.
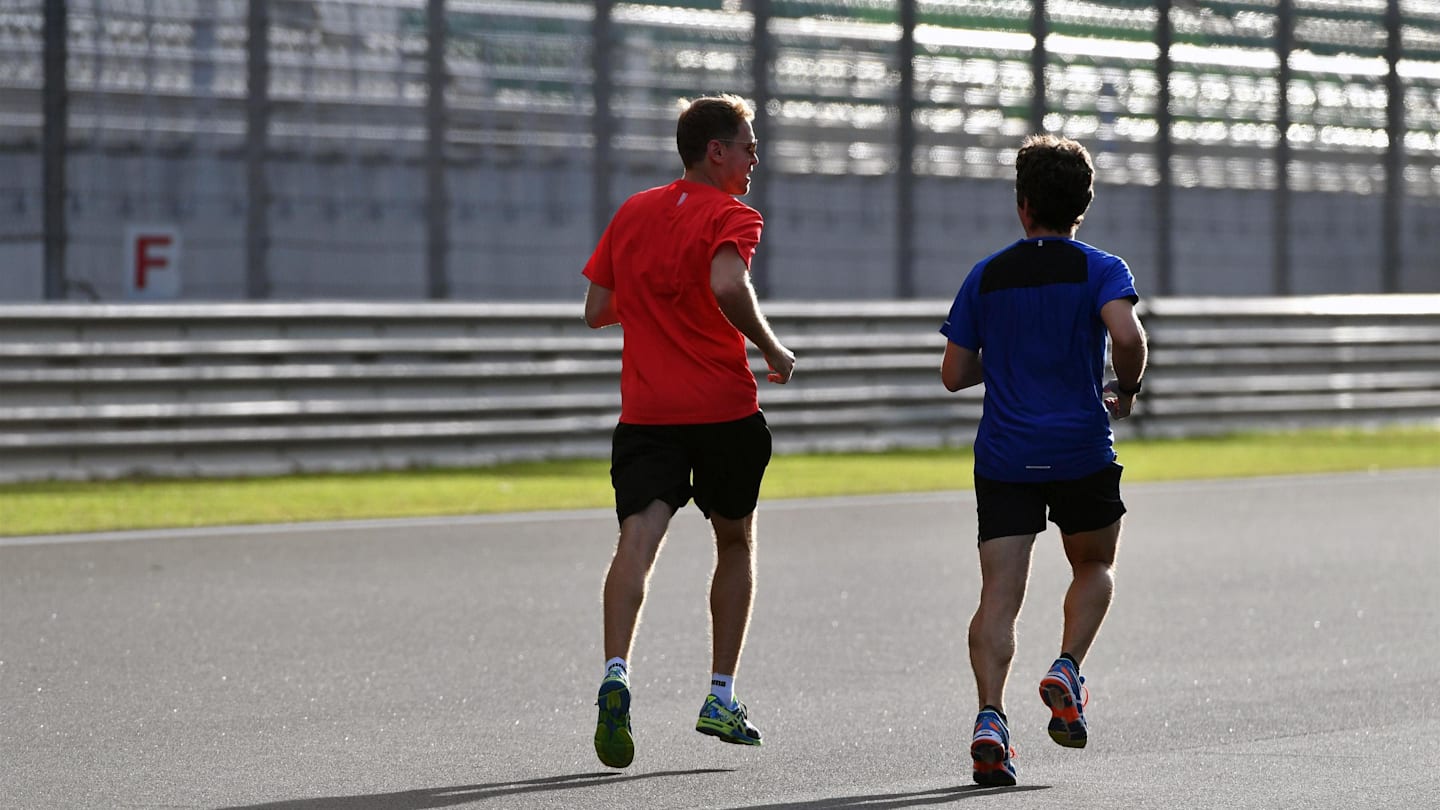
(472, 149)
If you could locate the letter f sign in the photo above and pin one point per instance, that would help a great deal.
(152, 262)
(146, 259)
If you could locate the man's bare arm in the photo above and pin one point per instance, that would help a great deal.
(1129, 352)
(960, 368)
(730, 281)
(600, 306)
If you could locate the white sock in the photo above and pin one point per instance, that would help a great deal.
(618, 662)
(723, 687)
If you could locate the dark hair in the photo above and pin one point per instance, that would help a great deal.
(1056, 176)
(707, 119)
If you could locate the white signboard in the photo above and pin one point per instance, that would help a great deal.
(152, 262)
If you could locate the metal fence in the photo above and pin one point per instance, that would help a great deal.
(100, 391)
(472, 149)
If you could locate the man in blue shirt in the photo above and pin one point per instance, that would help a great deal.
(1031, 322)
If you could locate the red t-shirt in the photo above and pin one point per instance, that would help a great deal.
(683, 362)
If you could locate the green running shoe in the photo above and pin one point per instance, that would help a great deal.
(730, 726)
(613, 743)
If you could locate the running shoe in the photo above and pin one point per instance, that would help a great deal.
(990, 748)
(613, 743)
(730, 725)
(1063, 691)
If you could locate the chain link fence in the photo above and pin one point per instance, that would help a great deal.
(305, 149)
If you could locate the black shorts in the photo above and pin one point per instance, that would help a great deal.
(720, 465)
(1080, 505)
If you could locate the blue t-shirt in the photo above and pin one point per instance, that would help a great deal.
(1032, 311)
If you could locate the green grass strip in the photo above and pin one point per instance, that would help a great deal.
(48, 508)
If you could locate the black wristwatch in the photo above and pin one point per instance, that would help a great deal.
(1129, 392)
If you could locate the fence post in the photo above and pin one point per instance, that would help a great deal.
(257, 133)
(1391, 233)
(1039, 30)
(437, 206)
(762, 56)
(905, 157)
(1164, 150)
(602, 123)
(55, 131)
(1284, 45)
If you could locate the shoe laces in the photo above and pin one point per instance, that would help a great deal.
(997, 725)
(716, 707)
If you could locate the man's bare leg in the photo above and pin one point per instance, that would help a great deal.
(732, 594)
(641, 536)
(732, 589)
(1004, 575)
(1092, 587)
(1092, 563)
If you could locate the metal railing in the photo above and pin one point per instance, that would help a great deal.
(105, 391)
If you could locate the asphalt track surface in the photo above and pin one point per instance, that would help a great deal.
(1274, 643)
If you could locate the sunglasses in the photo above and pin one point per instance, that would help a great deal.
(750, 146)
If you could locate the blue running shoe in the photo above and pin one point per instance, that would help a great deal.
(613, 743)
(1063, 691)
(990, 749)
(730, 725)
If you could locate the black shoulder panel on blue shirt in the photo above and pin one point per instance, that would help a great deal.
(1036, 263)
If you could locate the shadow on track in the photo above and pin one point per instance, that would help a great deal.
(893, 801)
(464, 794)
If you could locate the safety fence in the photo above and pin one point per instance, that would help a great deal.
(105, 391)
(291, 150)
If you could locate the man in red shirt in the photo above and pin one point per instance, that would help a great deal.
(673, 270)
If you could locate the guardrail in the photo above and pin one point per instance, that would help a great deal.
(103, 391)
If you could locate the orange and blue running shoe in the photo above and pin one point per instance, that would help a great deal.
(614, 744)
(1063, 691)
(990, 749)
